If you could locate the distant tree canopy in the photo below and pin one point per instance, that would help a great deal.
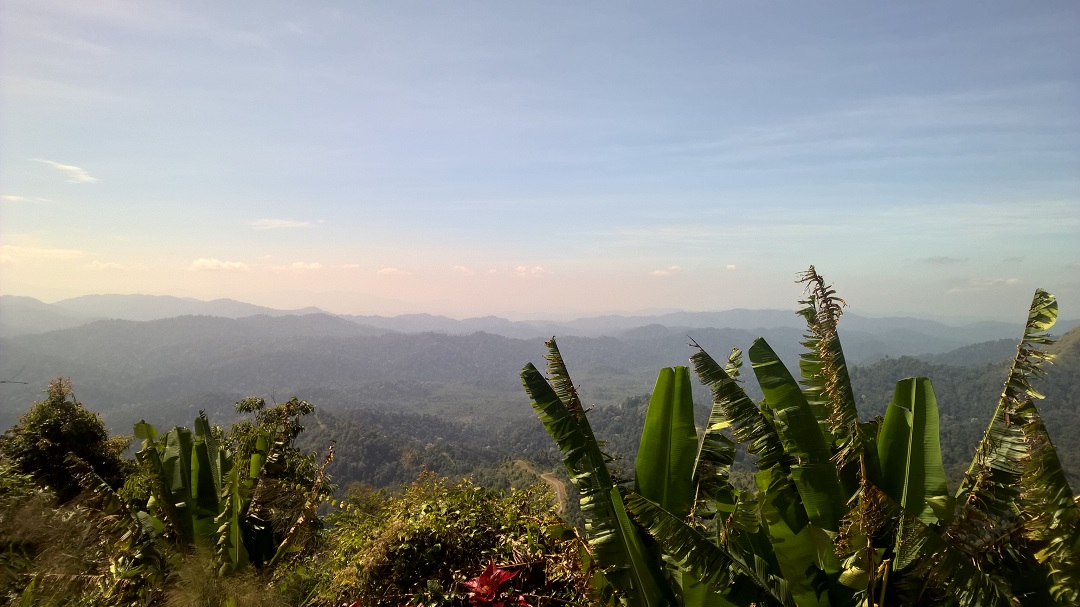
(56, 427)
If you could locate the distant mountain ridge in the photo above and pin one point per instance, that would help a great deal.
(130, 367)
(871, 337)
(26, 315)
(466, 372)
(154, 307)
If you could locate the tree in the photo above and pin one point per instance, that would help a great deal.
(59, 426)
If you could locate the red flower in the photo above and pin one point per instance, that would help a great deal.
(483, 590)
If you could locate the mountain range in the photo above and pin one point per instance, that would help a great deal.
(431, 391)
(25, 315)
(133, 356)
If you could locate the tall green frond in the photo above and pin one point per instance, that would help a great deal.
(230, 551)
(205, 475)
(564, 386)
(614, 542)
(814, 475)
(716, 454)
(824, 368)
(712, 564)
(997, 459)
(750, 426)
(1017, 512)
(909, 448)
(664, 467)
(1051, 512)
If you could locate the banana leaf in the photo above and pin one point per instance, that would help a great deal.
(750, 426)
(1016, 515)
(715, 566)
(615, 543)
(205, 474)
(231, 552)
(664, 467)
(712, 469)
(991, 479)
(1052, 517)
(825, 378)
(815, 475)
(909, 449)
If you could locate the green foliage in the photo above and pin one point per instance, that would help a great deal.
(1017, 513)
(151, 543)
(39, 444)
(81, 553)
(844, 512)
(623, 562)
(197, 584)
(418, 547)
(246, 492)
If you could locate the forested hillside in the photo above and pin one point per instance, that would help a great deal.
(449, 403)
(170, 368)
(173, 367)
(396, 445)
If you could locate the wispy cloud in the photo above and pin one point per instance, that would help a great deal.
(16, 253)
(350, 266)
(668, 271)
(943, 260)
(175, 21)
(12, 198)
(730, 267)
(75, 174)
(529, 271)
(983, 284)
(111, 265)
(204, 264)
(278, 224)
(912, 128)
(462, 270)
(299, 266)
(391, 272)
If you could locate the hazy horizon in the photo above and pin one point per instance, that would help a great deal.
(517, 316)
(533, 160)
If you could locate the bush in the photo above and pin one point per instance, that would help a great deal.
(420, 546)
(56, 427)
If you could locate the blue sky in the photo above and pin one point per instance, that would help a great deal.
(540, 158)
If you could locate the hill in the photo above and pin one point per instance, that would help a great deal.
(866, 338)
(395, 389)
(967, 394)
(26, 315)
(173, 367)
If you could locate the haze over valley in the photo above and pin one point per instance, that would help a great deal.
(448, 387)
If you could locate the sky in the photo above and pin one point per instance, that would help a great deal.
(543, 159)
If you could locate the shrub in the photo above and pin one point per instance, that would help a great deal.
(56, 427)
(421, 546)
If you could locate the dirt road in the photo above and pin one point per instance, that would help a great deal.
(550, 479)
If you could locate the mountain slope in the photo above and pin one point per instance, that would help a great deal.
(154, 307)
(22, 315)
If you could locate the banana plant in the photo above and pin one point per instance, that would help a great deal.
(616, 545)
(201, 494)
(1017, 514)
(187, 478)
(845, 512)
